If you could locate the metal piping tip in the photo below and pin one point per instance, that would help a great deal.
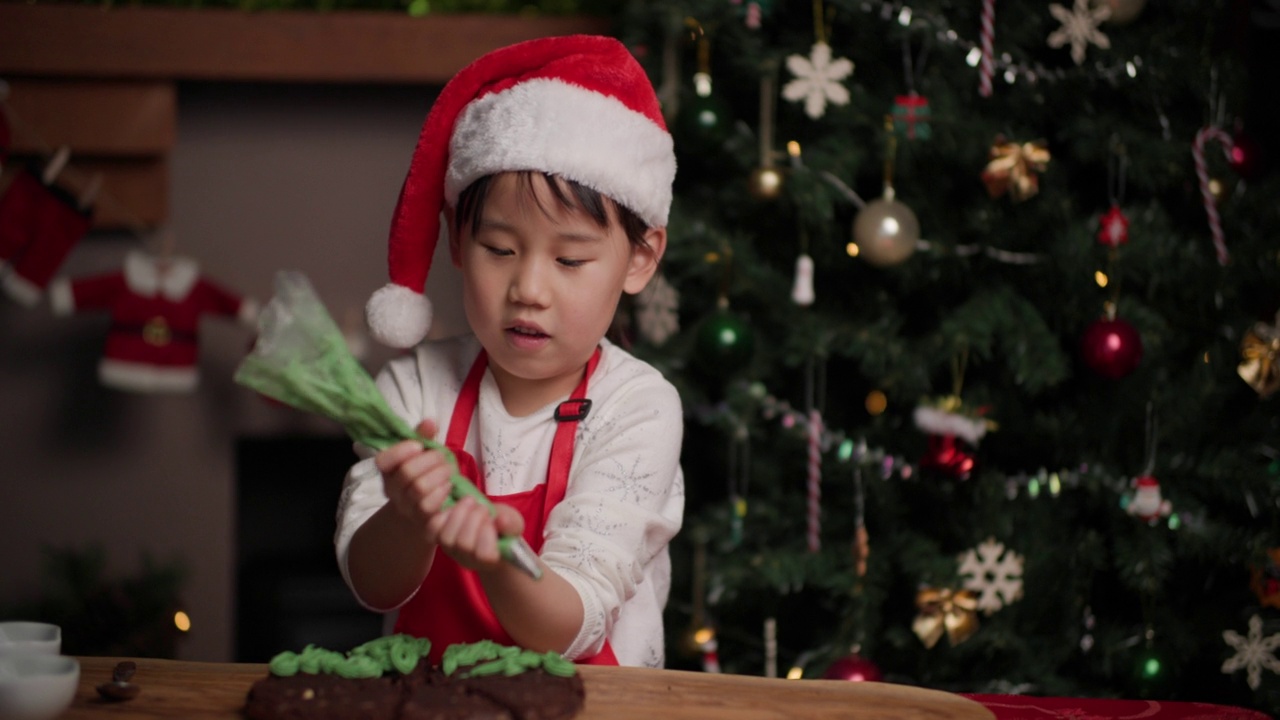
(517, 552)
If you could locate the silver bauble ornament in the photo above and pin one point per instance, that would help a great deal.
(885, 231)
(765, 183)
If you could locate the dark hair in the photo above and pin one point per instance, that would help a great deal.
(570, 194)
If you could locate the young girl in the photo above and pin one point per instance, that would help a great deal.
(552, 168)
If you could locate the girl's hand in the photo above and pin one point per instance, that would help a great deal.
(417, 484)
(415, 479)
(470, 534)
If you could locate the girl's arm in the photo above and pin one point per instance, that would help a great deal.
(624, 503)
(387, 560)
(541, 614)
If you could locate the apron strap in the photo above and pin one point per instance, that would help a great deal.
(567, 414)
(464, 408)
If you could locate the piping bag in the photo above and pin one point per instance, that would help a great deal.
(301, 359)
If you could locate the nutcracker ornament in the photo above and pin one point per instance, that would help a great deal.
(1146, 502)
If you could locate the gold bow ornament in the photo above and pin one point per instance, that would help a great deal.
(943, 610)
(1013, 169)
(1260, 351)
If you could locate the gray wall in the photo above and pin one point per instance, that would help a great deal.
(263, 178)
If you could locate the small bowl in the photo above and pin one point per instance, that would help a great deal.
(37, 687)
(20, 637)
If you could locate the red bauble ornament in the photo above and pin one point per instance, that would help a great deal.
(853, 668)
(1244, 156)
(1113, 228)
(1111, 347)
(948, 455)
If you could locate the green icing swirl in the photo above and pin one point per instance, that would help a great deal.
(489, 658)
(381, 655)
(284, 664)
(401, 653)
(360, 666)
(556, 664)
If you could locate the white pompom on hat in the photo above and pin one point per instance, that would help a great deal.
(579, 107)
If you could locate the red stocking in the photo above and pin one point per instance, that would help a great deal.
(39, 224)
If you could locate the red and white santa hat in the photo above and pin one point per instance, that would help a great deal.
(579, 106)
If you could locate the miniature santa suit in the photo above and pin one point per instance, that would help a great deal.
(156, 306)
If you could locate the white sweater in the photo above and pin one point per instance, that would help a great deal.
(625, 498)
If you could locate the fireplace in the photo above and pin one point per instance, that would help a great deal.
(288, 588)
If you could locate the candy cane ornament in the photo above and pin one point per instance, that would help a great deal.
(1206, 195)
(815, 481)
(987, 66)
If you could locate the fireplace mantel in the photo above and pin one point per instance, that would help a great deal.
(103, 80)
(149, 43)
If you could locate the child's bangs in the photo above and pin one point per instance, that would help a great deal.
(569, 194)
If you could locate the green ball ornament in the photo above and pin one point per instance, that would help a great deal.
(1151, 672)
(705, 117)
(885, 232)
(725, 342)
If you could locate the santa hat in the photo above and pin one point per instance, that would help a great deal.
(579, 107)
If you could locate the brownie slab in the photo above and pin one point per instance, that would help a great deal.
(323, 697)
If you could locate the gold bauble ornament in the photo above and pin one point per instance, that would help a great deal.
(1217, 189)
(1123, 12)
(765, 183)
(885, 231)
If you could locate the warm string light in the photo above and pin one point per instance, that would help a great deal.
(1004, 63)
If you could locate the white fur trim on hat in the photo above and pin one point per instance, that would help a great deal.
(941, 422)
(579, 134)
(398, 316)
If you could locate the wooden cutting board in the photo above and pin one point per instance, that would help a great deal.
(216, 691)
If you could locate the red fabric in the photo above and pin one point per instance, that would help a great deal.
(39, 225)
(6, 137)
(451, 606)
(592, 62)
(1023, 707)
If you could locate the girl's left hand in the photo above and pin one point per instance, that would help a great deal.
(470, 534)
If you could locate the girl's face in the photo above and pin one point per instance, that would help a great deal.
(541, 283)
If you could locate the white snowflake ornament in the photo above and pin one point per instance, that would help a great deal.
(994, 574)
(656, 310)
(1253, 653)
(1079, 27)
(817, 80)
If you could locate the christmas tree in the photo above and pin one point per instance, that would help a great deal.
(973, 308)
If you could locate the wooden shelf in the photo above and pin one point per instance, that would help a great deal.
(81, 41)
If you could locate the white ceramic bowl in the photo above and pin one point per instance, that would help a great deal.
(20, 637)
(37, 687)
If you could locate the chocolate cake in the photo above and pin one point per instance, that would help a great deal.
(378, 681)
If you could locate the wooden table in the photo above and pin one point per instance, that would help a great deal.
(216, 691)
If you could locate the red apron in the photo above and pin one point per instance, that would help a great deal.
(451, 606)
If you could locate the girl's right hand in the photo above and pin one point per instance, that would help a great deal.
(415, 479)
